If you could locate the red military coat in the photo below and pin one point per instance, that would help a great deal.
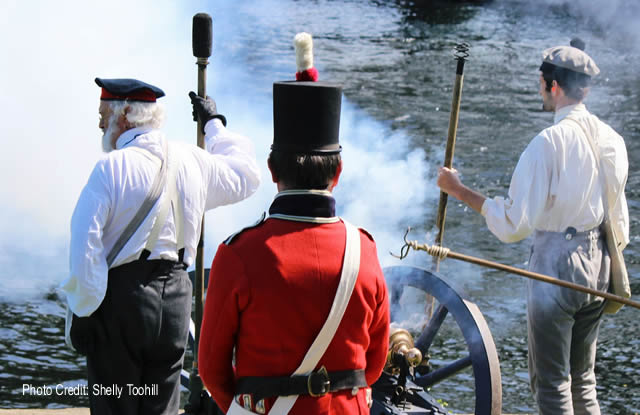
(270, 291)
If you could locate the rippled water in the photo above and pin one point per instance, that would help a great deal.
(394, 60)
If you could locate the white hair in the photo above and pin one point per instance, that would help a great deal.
(139, 114)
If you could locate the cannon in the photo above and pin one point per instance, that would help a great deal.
(408, 384)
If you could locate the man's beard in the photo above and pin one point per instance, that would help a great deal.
(106, 140)
(109, 137)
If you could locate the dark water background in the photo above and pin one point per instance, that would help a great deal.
(395, 62)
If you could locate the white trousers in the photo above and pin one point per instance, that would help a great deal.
(563, 323)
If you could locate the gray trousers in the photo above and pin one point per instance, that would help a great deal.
(563, 323)
(134, 365)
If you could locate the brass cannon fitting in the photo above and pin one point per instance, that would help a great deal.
(401, 351)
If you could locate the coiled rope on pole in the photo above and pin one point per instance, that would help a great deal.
(439, 252)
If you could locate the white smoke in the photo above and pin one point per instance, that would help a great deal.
(54, 50)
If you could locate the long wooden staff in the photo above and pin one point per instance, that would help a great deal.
(441, 253)
(461, 54)
(201, 44)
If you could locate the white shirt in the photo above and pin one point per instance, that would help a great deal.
(556, 185)
(226, 173)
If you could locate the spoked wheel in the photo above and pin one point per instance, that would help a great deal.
(480, 355)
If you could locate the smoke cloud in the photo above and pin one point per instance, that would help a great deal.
(54, 50)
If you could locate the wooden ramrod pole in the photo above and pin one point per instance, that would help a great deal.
(461, 54)
(445, 253)
(199, 277)
(201, 42)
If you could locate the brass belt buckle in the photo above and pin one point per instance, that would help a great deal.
(320, 380)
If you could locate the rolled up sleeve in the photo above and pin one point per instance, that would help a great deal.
(232, 169)
(514, 218)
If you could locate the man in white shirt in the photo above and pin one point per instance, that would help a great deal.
(556, 194)
(131, 295)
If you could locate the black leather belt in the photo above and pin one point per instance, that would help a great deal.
(318, 383)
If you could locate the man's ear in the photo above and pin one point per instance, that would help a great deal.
(274, 178)
(336, 178)
(123, 121)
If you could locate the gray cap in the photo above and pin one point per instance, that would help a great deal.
(571, 58)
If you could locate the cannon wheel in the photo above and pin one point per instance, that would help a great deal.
(482, 356)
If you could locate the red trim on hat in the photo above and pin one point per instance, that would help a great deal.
(145, 95)
(310, 74)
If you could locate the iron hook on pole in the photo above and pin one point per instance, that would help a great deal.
(404, 251)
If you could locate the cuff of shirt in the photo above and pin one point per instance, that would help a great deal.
(484, 208)
(213, 127)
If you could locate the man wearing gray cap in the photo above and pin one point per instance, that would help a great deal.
(558, 194)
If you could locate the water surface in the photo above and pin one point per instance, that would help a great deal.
(395, 62)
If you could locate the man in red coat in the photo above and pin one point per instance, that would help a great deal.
(272, 285)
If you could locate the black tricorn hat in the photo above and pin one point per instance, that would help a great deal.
(306, 117)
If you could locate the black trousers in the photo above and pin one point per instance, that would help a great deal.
(134, 363)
